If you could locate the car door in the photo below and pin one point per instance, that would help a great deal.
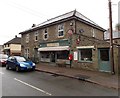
(13, 63)
(9, 62)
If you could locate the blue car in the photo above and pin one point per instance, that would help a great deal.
(19, 63)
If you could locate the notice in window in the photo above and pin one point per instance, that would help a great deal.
(75, 56)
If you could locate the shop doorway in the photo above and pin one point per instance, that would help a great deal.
(53, 57)
(104, 60)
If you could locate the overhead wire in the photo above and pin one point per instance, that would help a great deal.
(27, 10)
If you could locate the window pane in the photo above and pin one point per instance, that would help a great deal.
(45, 36)
(62, 55)
(36, 38)
(61, 33)
(86, 54)
(60, 30)
(45, 54)
(104, 55)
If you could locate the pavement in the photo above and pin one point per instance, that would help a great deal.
(100, 78)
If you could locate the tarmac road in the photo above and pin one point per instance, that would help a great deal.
(35, 83)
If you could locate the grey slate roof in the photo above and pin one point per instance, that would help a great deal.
(16, 40)
(65, 16)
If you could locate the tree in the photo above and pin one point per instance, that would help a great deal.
(117, 26)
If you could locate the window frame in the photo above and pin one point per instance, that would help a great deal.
(45, 33)
(93, 32)
(60, 29)
(36, 35)
(79, 55)
(27, 52)
(27, 38)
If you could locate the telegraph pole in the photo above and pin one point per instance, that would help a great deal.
(111, 39)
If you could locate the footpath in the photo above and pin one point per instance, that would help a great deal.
(100, 78)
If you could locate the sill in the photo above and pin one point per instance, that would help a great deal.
(85, 61)
(45, 39)
(60, 36)
(27, 42)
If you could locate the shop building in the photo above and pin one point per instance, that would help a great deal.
(71, 34)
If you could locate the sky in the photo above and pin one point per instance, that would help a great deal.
(19, 15)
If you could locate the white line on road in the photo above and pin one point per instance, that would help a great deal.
(1, 73)
(33, 87)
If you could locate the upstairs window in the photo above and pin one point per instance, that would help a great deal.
(36, 36)
(27, 38)
(45, 35)
(93, 32)
(60, 30)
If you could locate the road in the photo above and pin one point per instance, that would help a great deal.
(35, 83)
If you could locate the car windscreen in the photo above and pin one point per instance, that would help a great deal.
(2, 56)
(20, 59)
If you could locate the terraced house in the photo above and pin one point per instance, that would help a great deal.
(71, 35)
(13, 47)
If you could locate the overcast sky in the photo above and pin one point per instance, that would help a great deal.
(19, 15)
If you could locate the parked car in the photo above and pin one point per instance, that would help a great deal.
(3, 59)
(19, 63)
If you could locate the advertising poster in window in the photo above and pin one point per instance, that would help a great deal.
(75, 56)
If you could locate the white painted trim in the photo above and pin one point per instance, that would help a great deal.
(85, 47)
(59, 48)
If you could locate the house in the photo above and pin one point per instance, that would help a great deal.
(116, 34)
(13, 47)
(68, 36)
(1, 49)
(116, 43)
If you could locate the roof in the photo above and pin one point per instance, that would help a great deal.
(72, 14)
(16, 40)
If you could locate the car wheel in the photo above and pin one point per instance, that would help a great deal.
(17, 69)
(33, 69)
(7, 67)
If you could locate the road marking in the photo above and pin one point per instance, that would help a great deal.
(1, 73)
(33, 87)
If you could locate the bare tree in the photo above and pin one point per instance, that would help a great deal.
(117, 26)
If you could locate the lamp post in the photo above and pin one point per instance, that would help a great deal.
(111, 38)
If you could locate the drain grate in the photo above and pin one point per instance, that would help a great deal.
(82, 77)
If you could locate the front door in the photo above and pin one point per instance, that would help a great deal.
(52, 56)
(104, 60)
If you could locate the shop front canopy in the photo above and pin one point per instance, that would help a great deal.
(59, 48)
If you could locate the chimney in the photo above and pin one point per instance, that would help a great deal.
(33, 25)
(15, 36)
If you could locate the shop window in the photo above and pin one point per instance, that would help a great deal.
(85, 55)
(45, 55)
(62, 55)
(60, 30)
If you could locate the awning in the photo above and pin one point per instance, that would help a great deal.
(59, 48)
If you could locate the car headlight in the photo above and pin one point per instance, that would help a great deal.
(22, 65)
(33, 64)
